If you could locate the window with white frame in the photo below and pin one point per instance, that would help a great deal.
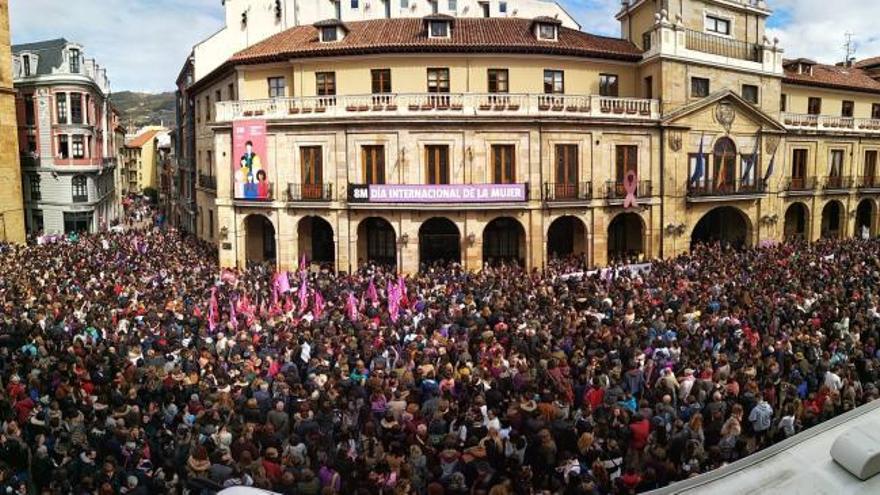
(439, 29)
(717, 25)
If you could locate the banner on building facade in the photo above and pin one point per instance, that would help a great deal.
(250, 164)
(441, 193)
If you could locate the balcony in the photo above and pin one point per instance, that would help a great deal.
(616, 190)
(838, 183)
(737, 189)
(830, 123)
(719, 45)
(309, 192)
(567, 192)
(801, 185)
(251, 193)
(869, 182)
(438, 105)
(208, 182)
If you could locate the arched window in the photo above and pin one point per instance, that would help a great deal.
(80, 189)
(724, 167)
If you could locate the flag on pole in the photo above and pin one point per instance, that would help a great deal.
(401, 292)
(393, 302)
(303, 294)
(318, 310)
(750, 162)
(233, 319)
(699, 167)
(352, 307)
(770, 167)
(213, 311)
(372, 295)
(282, 283)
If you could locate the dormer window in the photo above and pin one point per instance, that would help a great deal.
(330, 30)
(439, 29)
(329, 33)
(74, 61)
(26, 65)
(439, 25)
(546, 28)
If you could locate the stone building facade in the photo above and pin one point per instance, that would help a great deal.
(11, 207)
(408, 141)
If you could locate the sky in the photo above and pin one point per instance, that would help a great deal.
(143, 43)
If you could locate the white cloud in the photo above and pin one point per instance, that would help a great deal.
(142, 43)
(815, 28)
(595, 16)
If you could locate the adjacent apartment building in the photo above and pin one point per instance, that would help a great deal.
(142, 161)
(66, 136)
(11, 206)
(412, 140)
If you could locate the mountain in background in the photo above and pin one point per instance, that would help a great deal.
(137, 110)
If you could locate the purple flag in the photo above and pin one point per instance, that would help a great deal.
(352, 307)
(318, 310)
(371, 292)
(303, 295)
(282, 283)
(232, 316)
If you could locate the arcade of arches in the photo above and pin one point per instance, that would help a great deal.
(473, 239)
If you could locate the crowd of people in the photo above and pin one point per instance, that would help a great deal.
(130, 364)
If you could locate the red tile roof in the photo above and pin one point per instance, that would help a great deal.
(141, 139)
(408, 35)
(868, 62)
(834, 77)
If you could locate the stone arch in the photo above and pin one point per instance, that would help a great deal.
(439, 241)
(832, 225)
(505, 239)
(260, 243)
(567, 235)
(377, 241)
(627, 238)
(866, 218)
(316, 239)
(726, 224)
(797, 221)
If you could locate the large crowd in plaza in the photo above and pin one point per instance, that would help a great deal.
(131, 364)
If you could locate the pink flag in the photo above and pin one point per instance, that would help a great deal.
(401, 292)
(232, 317)
(303, 294)
(352, 307)
(371, 293)
(213, 311)
(282, 283)
(393, 302)
(318, 310)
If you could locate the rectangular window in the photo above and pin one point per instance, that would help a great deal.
(717, 25)
(312, 171)
(198, 110)
(404, 4)
(750, 93)
(230, 92)
(79, 147)
(566, 171)
(835, 168)
(32, 144)
(503, 164)
(37, 216)
(498, 81)
(875, 111)
(438, 80)
(26, 65)
(646, 41)
(381, 80)
(354, 4)
(870, 167)
(36, 193)
(88, 108)
(699, 87)
(207, 108)
(80, 189)
(554, 82)
(277, 87)
(329, 33)
(218, 96)
(439, 29)
(783, 103)
(63, 147)
(325, 83)
(29, 114)
(626, 160)
(211, 223)
(814, 106)
(61, 107)
(373, 160)
(546, 31)
(79, 221)
(453, 5)
(649, 87)
(485, 7)
(608, 84)
(799, 165)
(76, 108)
(847, 108)
(74, 60)
(437, 160)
